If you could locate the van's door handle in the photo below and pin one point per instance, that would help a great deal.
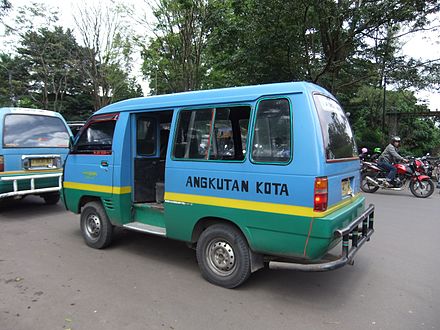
(104, 163)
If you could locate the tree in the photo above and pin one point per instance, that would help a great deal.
(173, 58)
(13, 80)
(53, 60)
(5, 6)
(107, 52)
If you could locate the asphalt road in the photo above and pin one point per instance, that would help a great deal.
(49, 279)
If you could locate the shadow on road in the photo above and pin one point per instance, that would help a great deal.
(29, 207)
(288, 284)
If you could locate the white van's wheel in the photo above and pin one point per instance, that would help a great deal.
(95, 227)
(223, 256)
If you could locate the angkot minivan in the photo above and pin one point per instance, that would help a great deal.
(247, 176)
(34, 146)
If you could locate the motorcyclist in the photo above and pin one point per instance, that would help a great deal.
(364, 154)
(388, 157)
(376, 153)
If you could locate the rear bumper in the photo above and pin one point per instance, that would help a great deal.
(353, 237)
(31, 181)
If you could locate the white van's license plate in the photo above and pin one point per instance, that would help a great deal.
(41, 162)
(346, 187)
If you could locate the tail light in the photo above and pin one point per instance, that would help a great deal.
(2, 164)
(321, 194)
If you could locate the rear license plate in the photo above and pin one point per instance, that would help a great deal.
(346, 187)
(41, 162)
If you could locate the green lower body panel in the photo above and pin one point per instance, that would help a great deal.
(117, 206)
(149, 214)
(267, 233)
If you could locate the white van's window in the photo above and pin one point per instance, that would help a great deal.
(272, 133)
(338, 138)
(146, 136)
(212, 134)
(34, 131)
(97, 136)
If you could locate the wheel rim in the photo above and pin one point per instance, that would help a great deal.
(422, 188)
(220, 257)
(93, 226)
(366, 185)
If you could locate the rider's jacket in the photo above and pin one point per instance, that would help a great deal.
(390, 155)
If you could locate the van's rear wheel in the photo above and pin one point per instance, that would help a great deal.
(223, 256)
(96, 229)
(51, 199)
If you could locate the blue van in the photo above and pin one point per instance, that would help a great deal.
(248, 176)
(34, 146)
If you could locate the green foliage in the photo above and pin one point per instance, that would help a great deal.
(349, 47)
(5, 5)
(174, 57)
(50, 70)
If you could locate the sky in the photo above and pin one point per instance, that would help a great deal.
(423, 46)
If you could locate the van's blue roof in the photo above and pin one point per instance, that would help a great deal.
(212, 96)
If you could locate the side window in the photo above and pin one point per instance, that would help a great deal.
(272, 132)
(96, 137)
(146, 132)
(192, 138)
(212, 134)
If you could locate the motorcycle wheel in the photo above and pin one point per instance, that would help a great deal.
(422, 189)
(367, 186)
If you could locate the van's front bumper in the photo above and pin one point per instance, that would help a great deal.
(32, 184)
(357, 233)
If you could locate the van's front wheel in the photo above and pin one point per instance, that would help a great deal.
(223, 256)
(96, 229)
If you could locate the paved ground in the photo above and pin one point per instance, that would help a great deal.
(49, 279)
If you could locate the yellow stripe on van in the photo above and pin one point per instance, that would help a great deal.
(255, 206)
(97, 188)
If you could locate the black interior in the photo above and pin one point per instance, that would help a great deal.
(149, 171)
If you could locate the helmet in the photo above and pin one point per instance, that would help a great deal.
(364, 150)
(377, 150)
(395, 139)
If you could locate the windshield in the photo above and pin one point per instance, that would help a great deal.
(34, 131)
(338, 138)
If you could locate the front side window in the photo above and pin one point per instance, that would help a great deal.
(34, 131)
(212, 133)
(96, 137)
(272, 132)
(338, 138)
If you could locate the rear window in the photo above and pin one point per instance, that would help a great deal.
(338, 138)
(34, 131)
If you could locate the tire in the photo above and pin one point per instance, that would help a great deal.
(223, 256)
(96, 229)
(423, 189)
(367, 186)
(51, 199)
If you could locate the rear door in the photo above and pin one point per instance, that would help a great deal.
(34, 140)
(342, 162)
(89, 166)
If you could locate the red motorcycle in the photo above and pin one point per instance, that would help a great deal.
(373, 177)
